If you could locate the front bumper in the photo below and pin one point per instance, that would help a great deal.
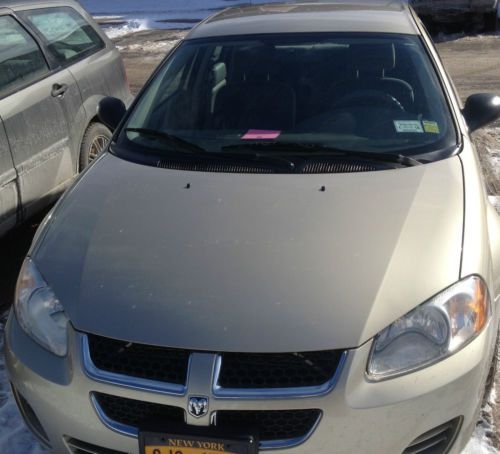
(358, 415)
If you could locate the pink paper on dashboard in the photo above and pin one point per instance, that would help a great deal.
(261, 134)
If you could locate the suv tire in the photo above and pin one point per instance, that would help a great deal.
(95, 139)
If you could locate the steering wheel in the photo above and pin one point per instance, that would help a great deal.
(369, 98)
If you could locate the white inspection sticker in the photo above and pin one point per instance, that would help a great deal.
(411, 126)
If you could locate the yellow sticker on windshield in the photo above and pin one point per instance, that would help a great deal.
(431, 127)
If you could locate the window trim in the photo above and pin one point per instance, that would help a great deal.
(447, 86)
(143, 90)
(52, 59)
(17, 89)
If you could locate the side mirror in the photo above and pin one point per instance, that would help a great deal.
(481, 109)
(111, 112)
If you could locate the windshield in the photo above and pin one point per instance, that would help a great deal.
(348, 92)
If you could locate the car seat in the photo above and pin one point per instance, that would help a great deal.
(370, 64)
(251, 99)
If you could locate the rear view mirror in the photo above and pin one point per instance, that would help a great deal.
(481, 109)
(111, 112)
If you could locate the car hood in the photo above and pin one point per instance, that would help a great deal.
(251, 263)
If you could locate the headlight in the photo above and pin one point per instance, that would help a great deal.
(433, 331)
(39, 312)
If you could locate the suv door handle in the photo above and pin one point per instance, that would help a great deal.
(58, 90)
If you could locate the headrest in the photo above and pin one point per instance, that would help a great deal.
(219, 72)
(373, 57)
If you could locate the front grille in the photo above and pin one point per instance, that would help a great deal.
(81, 447)
(238, 370)
(286, 370)
(138, 360)
(272, 425)
(436, 441)
(136, 413)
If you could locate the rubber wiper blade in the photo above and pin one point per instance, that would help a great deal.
(307, 150)
(181, 144)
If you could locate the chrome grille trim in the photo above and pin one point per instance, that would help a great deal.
(275, 393)
(115, 426)
(217, 392)
(291, 442)
(133, 432)
(141, 384)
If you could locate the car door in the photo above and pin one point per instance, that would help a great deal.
(8, 185)
(74, 43)
(37, 104)
(100, 73)
(8, 178)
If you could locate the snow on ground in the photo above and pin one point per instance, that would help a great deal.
(162, 47)
(15, 438)
(127, 28)
(487, 145)
(480, 444)
(481, 440)
(495, 201)
(443, 37)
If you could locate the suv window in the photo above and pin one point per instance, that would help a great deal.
(21, 60)
(69, 36)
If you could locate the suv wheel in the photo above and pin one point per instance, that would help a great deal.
(95, 140)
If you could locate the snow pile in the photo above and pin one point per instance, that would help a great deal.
(132, 26)
(493, 157)
(495, 201)
(107, 18)
(490, 161)
(481, 441)
(443, 37)
(149, 47)
(480, 444)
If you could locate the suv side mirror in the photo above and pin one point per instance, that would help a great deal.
(111, 112)
(481, 109)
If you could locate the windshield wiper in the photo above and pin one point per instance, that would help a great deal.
(307, 150)
(182, 144)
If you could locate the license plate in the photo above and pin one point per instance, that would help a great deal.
(154, 443)
(178, 450)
